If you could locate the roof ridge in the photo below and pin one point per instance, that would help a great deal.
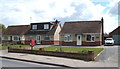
(82, 21)
(41, 22)
(17, 25)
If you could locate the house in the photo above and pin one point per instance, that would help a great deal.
(116, 35)
(43, 33)
(15, 34)
(82, 33)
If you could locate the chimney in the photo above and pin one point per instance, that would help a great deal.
(102, 21)
(57, 22)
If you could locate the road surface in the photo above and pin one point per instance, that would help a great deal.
(17, 63)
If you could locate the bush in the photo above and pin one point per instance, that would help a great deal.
(58, 50)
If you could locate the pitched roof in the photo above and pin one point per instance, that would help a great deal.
(16, 30)
(116, 31)
(34, 32)
(79, 27)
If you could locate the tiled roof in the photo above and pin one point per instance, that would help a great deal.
(16, 30)
(34, 32)
(116, 31)
(79, 27)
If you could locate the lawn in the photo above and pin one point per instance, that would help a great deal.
(14, 46)
(73, 49)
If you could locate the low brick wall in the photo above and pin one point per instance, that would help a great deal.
(88, 57)
(73, 43)
(47, 42)
(97, 43)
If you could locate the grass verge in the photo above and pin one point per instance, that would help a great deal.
(72, 49)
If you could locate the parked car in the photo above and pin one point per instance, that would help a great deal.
(109, 41)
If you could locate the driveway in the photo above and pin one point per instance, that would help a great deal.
(110, 54)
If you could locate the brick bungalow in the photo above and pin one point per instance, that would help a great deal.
(116, 35)
(43, 33)
(15, 34)
(82, 33)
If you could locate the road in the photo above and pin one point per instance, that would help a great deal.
(16, 63)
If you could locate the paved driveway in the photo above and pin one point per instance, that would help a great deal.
(110, 54)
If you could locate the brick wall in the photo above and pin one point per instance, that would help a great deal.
(26, 42)
(73, 43)
(47, 42)
(89, 56)
(68, 43)
(56, 42)
(92, 43)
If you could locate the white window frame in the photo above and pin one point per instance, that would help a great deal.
(17, 37)
(90, 38)
(46, 26)
(68, 38)
(34, 27)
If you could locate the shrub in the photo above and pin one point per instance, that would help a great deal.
(58, 49)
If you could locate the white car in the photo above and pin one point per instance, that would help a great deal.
(109, 41)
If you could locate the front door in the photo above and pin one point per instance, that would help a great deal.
(38, 39)
(11, 38)
(79, 40)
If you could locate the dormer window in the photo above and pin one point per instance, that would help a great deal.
(34, 27)
(46, 26)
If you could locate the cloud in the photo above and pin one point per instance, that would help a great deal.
(115, 5)
(19, 11)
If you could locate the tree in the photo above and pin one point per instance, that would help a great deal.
(2, 26)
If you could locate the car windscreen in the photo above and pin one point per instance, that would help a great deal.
(108, 39)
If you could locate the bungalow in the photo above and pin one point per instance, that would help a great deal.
(116, 35)
(43, 33)
(82, 33)
(15, 34)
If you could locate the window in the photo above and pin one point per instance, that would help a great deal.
(67, 38)
(46, 37)
(46, 26)
(93, 38)
(16, 38)
(90, 38)
(30, 38)
(34, 27)
(5, 37)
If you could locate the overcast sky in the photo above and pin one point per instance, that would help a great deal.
(22, 12)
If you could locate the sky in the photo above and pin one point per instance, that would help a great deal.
(24, 12)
